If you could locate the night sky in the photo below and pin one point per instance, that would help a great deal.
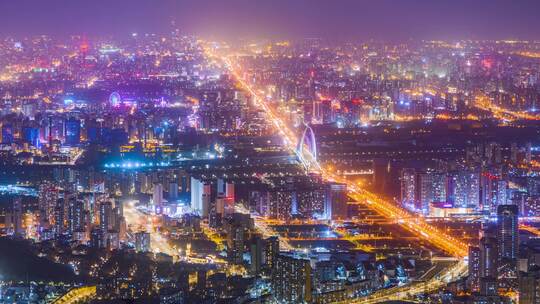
(347, 19)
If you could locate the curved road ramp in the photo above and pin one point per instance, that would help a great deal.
(77, 295)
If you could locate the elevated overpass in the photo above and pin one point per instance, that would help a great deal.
(77, 295)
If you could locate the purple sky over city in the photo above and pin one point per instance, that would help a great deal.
(356, 19)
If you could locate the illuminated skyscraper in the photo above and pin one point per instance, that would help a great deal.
(47, 197)
(142, 242)
(493, 190)
(196, 195)
(280, 204)
(157, 195)
(13, 219)
(31, 136)
(206, 199)
(317, 117)
(173, 191)
(465, 189)
(73, 131)
(474, 268)
(229, 191)
(76, 217)
(408, 186)
(7, 134)
(310, 202)
(529, 287)
(431, 188)
(292, 280)
(489, 257)
(256, 252)
(237, 228)
(271, 252)
(507, 232)
(106, 217)
(335, 206)
(59, 217)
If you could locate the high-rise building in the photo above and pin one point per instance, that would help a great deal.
(292, 279)
(271, 251)
(431, 188)
(196, 195)
(237, 228)
(201, 280)
(229, 191)
(76, 217)
(489, 257)
(97, 238)
(465, 189)
(14, 219)
(310, 202)
(121, 228)
(507, 232)
(73, 131)
(474, 268)
(317, 117)
(221, 189)
(173, 191)
(260, 202)
(256, 251)
(30, 135)
(529, 287)
(336, 207)
(408, 186)
(7, 134)
(502, 192)
(493, 191)
(326, 111)
(157, 195)
(214, 215)
(184, 182)
(440, 184)
(142, 241)
(281, 204)
(206, 199)
(47, 197)
(106, 220)
(112, 240)
(59, 217)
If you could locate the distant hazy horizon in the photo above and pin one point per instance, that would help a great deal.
(347, 19)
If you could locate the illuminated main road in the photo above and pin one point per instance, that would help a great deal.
(408, 221)
(137, 220)
(77, 295)
(530, 229)
(484, 103)
(265, 229)
(416, 225)
(399, 293)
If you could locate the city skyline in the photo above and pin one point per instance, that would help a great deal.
(276, 152)
(343, 20)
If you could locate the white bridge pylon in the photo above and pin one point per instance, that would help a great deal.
(307, 151)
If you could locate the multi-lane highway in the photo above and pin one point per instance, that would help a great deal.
(433, 282)
(77, 295)
(415, 225)
(388, 209)
(139, 221)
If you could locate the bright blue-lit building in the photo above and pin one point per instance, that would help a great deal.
(30, 135)
(7, 134)
(73, 131)
(115, 136)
